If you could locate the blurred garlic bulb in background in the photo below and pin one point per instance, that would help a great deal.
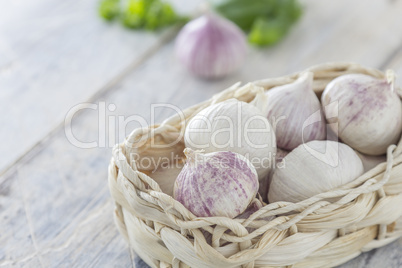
(295, 113)
(211, 46)
(313, 168)
(367, 110)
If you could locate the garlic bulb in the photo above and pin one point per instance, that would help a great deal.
(235, 126)
(216, 184)
(367, 110)
(313, 168)
(211, 46)
(371, 161)
(295, 113)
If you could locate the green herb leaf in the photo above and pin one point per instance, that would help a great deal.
(266, 21)
(147, 14)
(268, 31)
(168, 15)
(244, 12)
(289, 10)
(160, 15)
(109, 9)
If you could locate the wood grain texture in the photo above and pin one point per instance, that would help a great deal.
(55, 209)
(54, 54)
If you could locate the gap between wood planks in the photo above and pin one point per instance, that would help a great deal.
(108, 87)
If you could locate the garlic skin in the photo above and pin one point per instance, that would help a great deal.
(235, 126)
(216, 184)
(295, 113)
(211, 46)
(371, 161)
(367, 110)
(313, 168)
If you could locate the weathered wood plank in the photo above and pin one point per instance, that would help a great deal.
(54, 54)
(56, 208)
(66, 199)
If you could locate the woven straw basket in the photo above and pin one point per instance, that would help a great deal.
(311, 233)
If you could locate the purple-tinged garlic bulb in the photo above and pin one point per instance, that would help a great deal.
(216, 184)
(367, 111)
(211, 46)
(294, 112)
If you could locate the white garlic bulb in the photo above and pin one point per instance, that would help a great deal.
(312, 168)
(216, 184)
(295, 113)
(211, 46)
(367, 110)
(235, 126)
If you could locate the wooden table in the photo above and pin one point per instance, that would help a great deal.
(55, 207)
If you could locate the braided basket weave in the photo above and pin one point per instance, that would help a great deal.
(311, 233)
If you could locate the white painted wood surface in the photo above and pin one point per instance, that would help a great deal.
(55, 208)
(54, 54)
